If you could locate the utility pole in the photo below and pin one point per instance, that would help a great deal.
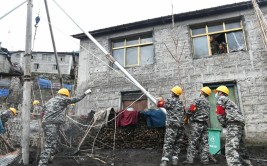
(54, 45)
(26, 104)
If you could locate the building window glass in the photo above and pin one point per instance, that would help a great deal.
(46, 57)
(54, 67)
(62, 58)
(218, 38)
(134, 51)
(36, 66)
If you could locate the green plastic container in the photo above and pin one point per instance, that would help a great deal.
(214, 140)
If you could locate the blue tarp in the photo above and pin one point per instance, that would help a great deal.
(154, 118)
(68, 86)
(44, 83)
(4, 92)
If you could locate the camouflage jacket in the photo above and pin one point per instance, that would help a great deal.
(201, 113)
(232, 113)
(37, 109)
(5, 116)
(175, 111)
(55, 109)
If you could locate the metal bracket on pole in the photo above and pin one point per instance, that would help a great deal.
(110, 58)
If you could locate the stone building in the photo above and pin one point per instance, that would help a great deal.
(45, 62)
(147, 50)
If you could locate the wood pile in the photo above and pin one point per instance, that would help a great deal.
(137, 136)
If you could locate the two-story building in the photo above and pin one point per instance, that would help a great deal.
(160, 56)
(45, 62)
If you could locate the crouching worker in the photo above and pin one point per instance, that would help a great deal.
(54, 116)
(198, 114)
(230, 117)
(5, 116)
(174, 126)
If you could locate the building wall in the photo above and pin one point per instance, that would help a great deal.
(46, 64)
(247, 69)
(5, 65)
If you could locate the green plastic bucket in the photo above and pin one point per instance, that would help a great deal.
(214, 140)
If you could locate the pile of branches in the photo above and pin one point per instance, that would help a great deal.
(137, 136)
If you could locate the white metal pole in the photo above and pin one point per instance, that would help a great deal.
(26, 105)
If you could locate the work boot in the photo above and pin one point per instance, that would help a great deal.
(50, 160)
(174, 161)
(247, 162)
(204, 162)
(164, 163)
(188, 162)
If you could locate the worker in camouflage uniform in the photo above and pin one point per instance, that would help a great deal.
(5, 117)
(174, 126)
(37, 109)
(54, 116)
(230, 116)
(198, 115)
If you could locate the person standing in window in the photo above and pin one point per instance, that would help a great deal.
(214, 45)
(222, 48)
(198, 114)
(230, 117)
(174, 126)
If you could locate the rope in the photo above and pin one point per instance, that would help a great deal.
(12, 10)
(97, 57)
(52, 89)
(108, 120)
(40, 92)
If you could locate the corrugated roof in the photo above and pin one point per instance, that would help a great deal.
(177, 17)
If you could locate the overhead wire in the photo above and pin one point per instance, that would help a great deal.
(104, 63)
(12, 10)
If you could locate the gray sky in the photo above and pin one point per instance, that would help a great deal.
(88, 14)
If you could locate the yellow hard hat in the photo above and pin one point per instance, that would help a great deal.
(177, 90)
(35, 102)
(223, 89)
(64, 91)
(13, 110)
(206, 90)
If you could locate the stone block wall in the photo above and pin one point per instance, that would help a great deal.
(247, 69)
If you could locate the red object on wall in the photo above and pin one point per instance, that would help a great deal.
(220, 110)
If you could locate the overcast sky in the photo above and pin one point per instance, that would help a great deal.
(88, 14)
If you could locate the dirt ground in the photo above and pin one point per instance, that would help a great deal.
(135, 146)
(137, 157)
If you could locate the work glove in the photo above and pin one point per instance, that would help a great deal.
(87, 92)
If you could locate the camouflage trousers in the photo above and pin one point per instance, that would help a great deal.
(235, 150)
(198, 138)
(172, 141)
(51, 139)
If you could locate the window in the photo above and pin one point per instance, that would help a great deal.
(218, 38)
(33, 57)
(61, 58)
(133, 51)
(54, 67)
(128, 99)
(46, 57)
(36, 66)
